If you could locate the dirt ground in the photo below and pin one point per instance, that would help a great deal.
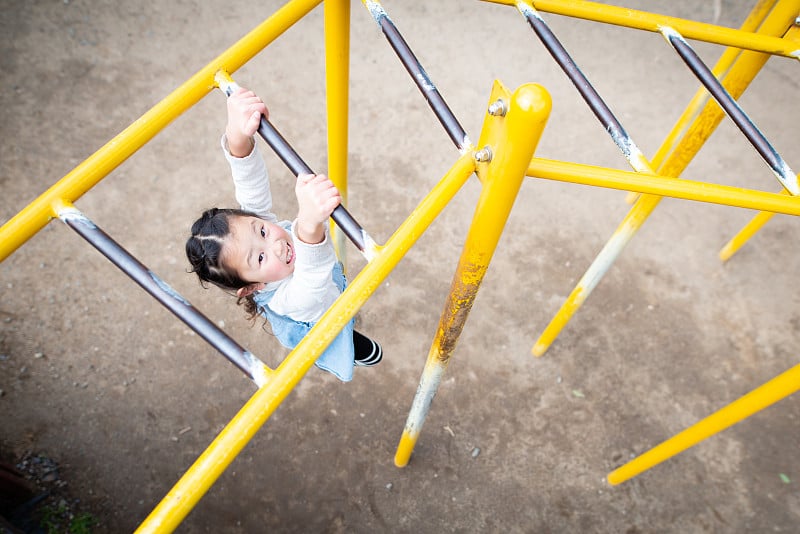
(101, 378)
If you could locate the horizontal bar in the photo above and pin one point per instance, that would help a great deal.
(420, 77)
(785, 175)
(164, 294)
(87, 174)
(592, 98)
(346, 222)
(667, 186)
(643, 20)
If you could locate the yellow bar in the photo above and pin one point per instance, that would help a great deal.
(240, 430)
(512, 139)
(643, 20)
(87, 174)
(776, 389)
(666, 186)
(749, 230)
(738, 78)
(337, 76)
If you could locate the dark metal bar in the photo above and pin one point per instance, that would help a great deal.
(420, 77)
(287, 154)
(343, 219)
(586, 90)
(779, 166)
(163, 293)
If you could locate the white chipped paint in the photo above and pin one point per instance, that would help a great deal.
(425, 81)
(670, 32)
(788, 178)
(431, 378)
(225, 83)
(622, 141)
(72, 214)
(258, 369)
(466, 146)
(166, 288)
(528, 10)
(376, 10)
(795, 54)
(603, 262)
(632, 153)
(639, 162)
(370, 247)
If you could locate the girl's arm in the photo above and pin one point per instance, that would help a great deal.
(250, 177)
(311, 290)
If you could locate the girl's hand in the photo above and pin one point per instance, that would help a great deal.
(317, 197)
(245, 109)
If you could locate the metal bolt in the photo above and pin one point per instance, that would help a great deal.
(485, 154)
(498, 107)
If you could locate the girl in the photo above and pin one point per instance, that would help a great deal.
(286, 271)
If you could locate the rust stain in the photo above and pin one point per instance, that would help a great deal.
(463, 291)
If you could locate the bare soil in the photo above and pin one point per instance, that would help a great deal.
(97, 376)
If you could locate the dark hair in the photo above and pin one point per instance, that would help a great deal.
(204, 250)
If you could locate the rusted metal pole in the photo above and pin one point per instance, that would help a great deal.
(509, 141)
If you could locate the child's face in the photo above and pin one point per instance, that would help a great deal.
(258, 251)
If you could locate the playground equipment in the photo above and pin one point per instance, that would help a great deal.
(500, 165)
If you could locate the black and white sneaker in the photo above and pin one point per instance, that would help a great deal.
(367, 351)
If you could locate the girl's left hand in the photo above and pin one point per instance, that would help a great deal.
(317, 197)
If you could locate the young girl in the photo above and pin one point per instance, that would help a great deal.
(286, 271)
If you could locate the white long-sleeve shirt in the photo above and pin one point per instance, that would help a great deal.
(309, 291)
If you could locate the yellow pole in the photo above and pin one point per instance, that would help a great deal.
(666, 186)
(643, 20)
(738, 78)
(513, 140)
(240, 430)
(748, 231)
(87, 174)
(337, 74)
(776, 389)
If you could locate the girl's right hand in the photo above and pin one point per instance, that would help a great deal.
(245, 109)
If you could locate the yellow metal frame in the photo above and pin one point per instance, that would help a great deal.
(337, 79)
(503, 160)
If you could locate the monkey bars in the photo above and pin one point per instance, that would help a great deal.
(513, 124)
